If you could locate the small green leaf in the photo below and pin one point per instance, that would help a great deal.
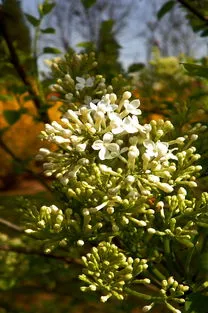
(166, 7)
(46, 8)
(12, 116)
(196, 70)
(51, 50)
(88, 3)
(32, 20)
(86, 45)
(135, 67)
(48, 30)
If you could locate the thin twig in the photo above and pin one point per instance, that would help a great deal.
(21, 250)
(11, 225)
(193, 10)
(10, 152)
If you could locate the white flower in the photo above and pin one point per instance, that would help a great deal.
(104, 105)
(107, 149)
(82, 82)
(131, 107)
(145, 129)
(131, 124)
(158, 150)
(116, 123)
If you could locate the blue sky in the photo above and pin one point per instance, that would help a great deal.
(131, 50)
(133, 46)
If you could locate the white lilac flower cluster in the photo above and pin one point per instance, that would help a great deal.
(108, 133)
(123, 180)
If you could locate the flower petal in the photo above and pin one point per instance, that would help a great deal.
(97, 145)
(108, 137)
(103, 153)
(113, 147)
(130, 124)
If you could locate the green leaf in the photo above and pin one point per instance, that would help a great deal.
(196, 303)
(135, 67)
(18, 89)
(32, 20)
(196, 70)
(51, 50)
(88, 3)
(48, 30)
(12, 116)
(6, 97)
(166, 7)
(46, 8)
(89, 45)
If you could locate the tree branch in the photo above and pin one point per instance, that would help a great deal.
(193, 10)
(21, 71)
(11, 225)
(21, 250)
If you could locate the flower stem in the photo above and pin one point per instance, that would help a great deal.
(143, 295)
(158, 274)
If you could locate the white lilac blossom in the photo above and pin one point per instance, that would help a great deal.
(127, 183)
(108, 150)
(83, 83)
(132, 107)
(110, 130)
(158, 150)
(106, 105)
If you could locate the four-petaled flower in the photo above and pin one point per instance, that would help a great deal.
(132, 107)
(82, 82)
(131, 124)
(108, 150)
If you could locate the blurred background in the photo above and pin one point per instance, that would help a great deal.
(144, 40)
(136, 28)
